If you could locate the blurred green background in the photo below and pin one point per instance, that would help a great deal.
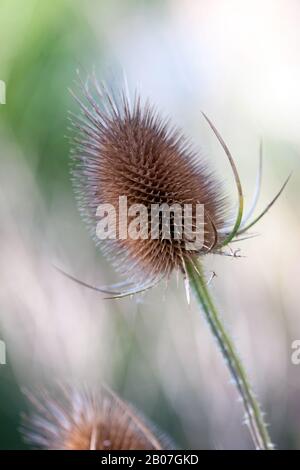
(238, 61)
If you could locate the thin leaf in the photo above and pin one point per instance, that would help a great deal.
(244, 229)
(239, 216)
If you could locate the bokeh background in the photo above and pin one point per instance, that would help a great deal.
(239, 62)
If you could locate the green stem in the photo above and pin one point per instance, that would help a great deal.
(254, 416)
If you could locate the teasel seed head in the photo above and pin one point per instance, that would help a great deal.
(88, 420)
(124, 149)
(129, 150)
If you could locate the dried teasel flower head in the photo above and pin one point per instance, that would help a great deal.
(124, 149)
(88, 420)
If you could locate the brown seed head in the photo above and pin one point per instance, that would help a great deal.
(85, 420)
(125, 150)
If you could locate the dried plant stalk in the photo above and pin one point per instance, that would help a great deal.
(254, 417)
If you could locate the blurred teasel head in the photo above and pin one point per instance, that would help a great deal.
(72, 419)
(123, 149)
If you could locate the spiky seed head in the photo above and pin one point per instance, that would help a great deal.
(88, 420)
(129, 150)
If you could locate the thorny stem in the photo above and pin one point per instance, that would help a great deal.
(254, 415)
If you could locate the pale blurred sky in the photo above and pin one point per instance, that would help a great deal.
(230, 56)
